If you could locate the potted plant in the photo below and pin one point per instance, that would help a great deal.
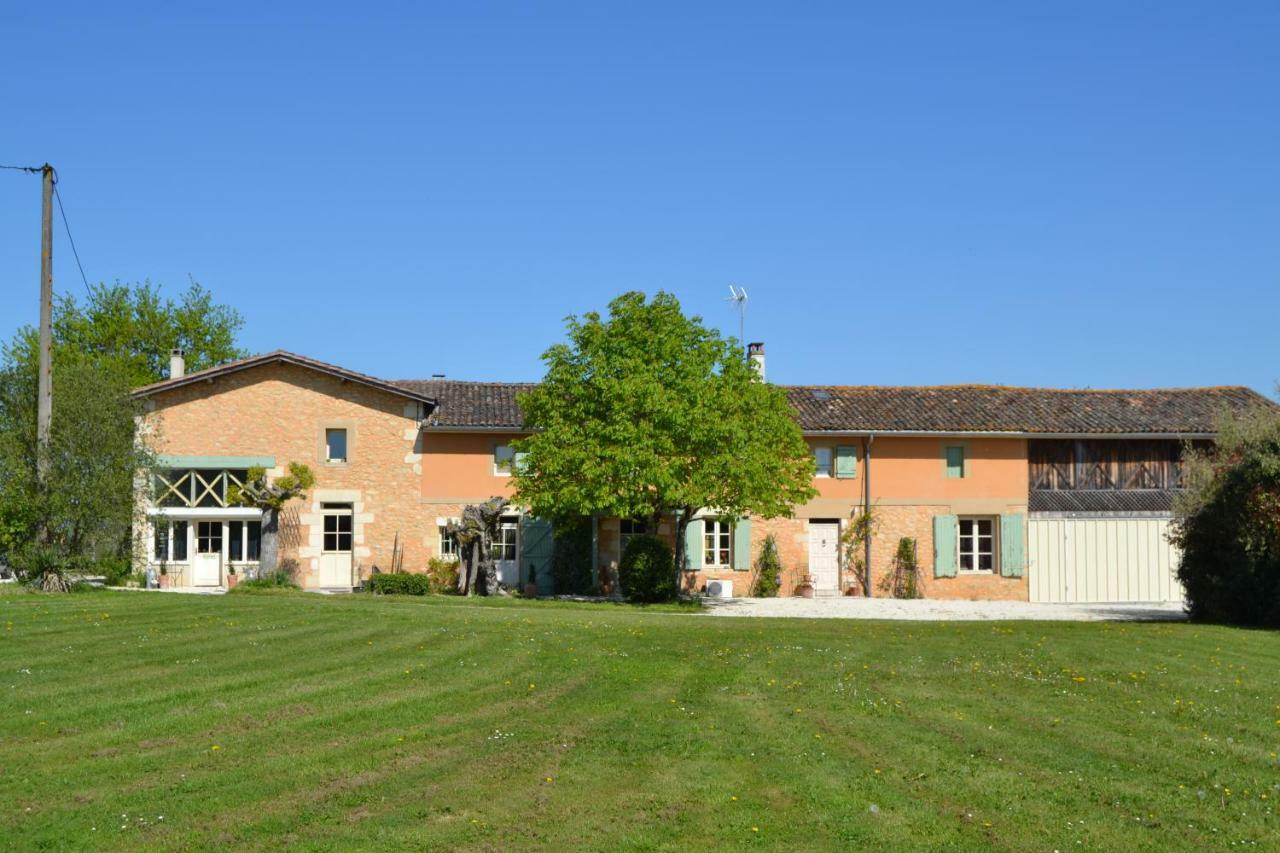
(164, 576)
(232, 580)
(804, 589)
(531, 582)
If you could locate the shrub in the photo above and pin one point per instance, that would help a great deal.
(647, 572)
(768, 570)
(115, 569)
(903, 579)
(571, 563)
(1227, 525)
(442, 575)
(272, 580)
(400, 583)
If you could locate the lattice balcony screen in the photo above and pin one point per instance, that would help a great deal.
(195, 487)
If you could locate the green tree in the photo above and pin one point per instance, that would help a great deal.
(135, 327)
(270, 496)
(768, 579)
(648, 413)
(1227, 523)
(82, 515)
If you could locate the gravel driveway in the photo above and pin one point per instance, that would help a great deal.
(933, 610)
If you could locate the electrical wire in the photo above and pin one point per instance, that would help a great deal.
(67, 227)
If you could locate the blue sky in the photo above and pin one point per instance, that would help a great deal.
(1067, 194)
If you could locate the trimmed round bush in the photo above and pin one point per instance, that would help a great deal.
(648, 570)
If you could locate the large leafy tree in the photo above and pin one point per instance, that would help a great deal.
(648, 413)
(117, 339)
(1227, 523)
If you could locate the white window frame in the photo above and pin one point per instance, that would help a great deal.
(977, 551)
(169, 524)
(714, 527)
(451, 551)
(244, 541)
(507, 524)
(504, 458)
(819, 468)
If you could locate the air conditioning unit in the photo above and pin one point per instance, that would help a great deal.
(720, 589)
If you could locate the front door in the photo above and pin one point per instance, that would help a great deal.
(824, 555)
(335, 555)
(206, 568)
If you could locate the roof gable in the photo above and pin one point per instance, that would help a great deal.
(280, 357)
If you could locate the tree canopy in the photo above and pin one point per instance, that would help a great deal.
(1227, 523)
(647, 412)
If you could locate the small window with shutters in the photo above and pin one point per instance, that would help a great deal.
(955, 461)
(846, 462)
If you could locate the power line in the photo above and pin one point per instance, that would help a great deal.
(67, 226)
(32, 169)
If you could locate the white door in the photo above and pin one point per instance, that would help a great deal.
(335, 553)
(206, 566)
(504, 550)
(824, 555)
(1102, 560)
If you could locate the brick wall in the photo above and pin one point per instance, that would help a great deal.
(282, 411)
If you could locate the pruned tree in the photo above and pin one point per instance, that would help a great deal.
(475, 533)
(270, 496)
(650, 414)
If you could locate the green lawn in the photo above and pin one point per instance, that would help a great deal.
(132, 719)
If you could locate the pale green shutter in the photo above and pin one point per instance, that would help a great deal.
(536, 551)
(846, 462)
(944, 546)
(693, 545)
(742, 545)
(955, 461)
(1013, 551)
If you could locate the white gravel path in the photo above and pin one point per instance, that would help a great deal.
(927, 610)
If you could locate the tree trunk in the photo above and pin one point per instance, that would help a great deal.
(269, 547)
(682, 518)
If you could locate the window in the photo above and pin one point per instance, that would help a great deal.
(335, 445)
(955, 461)
(337, 532)
(235, 541)
(448, 544)
(977, 544)
(253, 540)
(504, 544)
(503, 457)
(208, 537)
(162, 540)
(179, 540)
(717, 544)
(631, 528)
(822, 461)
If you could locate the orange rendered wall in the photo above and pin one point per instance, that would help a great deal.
(458, 467)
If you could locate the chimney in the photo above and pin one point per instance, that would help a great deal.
(755, 352)
(177, 363)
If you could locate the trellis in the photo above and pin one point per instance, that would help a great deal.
(196, 487)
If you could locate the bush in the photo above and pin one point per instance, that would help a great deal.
(571, 563)
(273, 580)
(115, 570)
(768, 570)
(442, 575)
(400, 583)
(1227, 525)
(648, 570)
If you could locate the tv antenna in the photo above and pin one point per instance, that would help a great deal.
(738, 296)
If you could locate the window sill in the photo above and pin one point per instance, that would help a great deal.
(975, 572)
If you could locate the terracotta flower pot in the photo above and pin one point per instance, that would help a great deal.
(531, 590)
(804, 590)
(164, 581)
(232, 580)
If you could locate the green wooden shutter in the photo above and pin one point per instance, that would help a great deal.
(537, 546)
(846, 462)
(944, 546)
(693, 545)
(742, 545)
(1013, 551)
(955, 461)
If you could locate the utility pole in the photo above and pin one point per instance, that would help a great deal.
(44, 403)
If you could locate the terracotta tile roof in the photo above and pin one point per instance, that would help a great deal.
(483, 405)
(279, 357)
(996, 408)
(952, 408)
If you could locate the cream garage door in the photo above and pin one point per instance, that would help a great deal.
(1101, 560)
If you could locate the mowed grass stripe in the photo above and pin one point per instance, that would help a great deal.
(982, 735)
